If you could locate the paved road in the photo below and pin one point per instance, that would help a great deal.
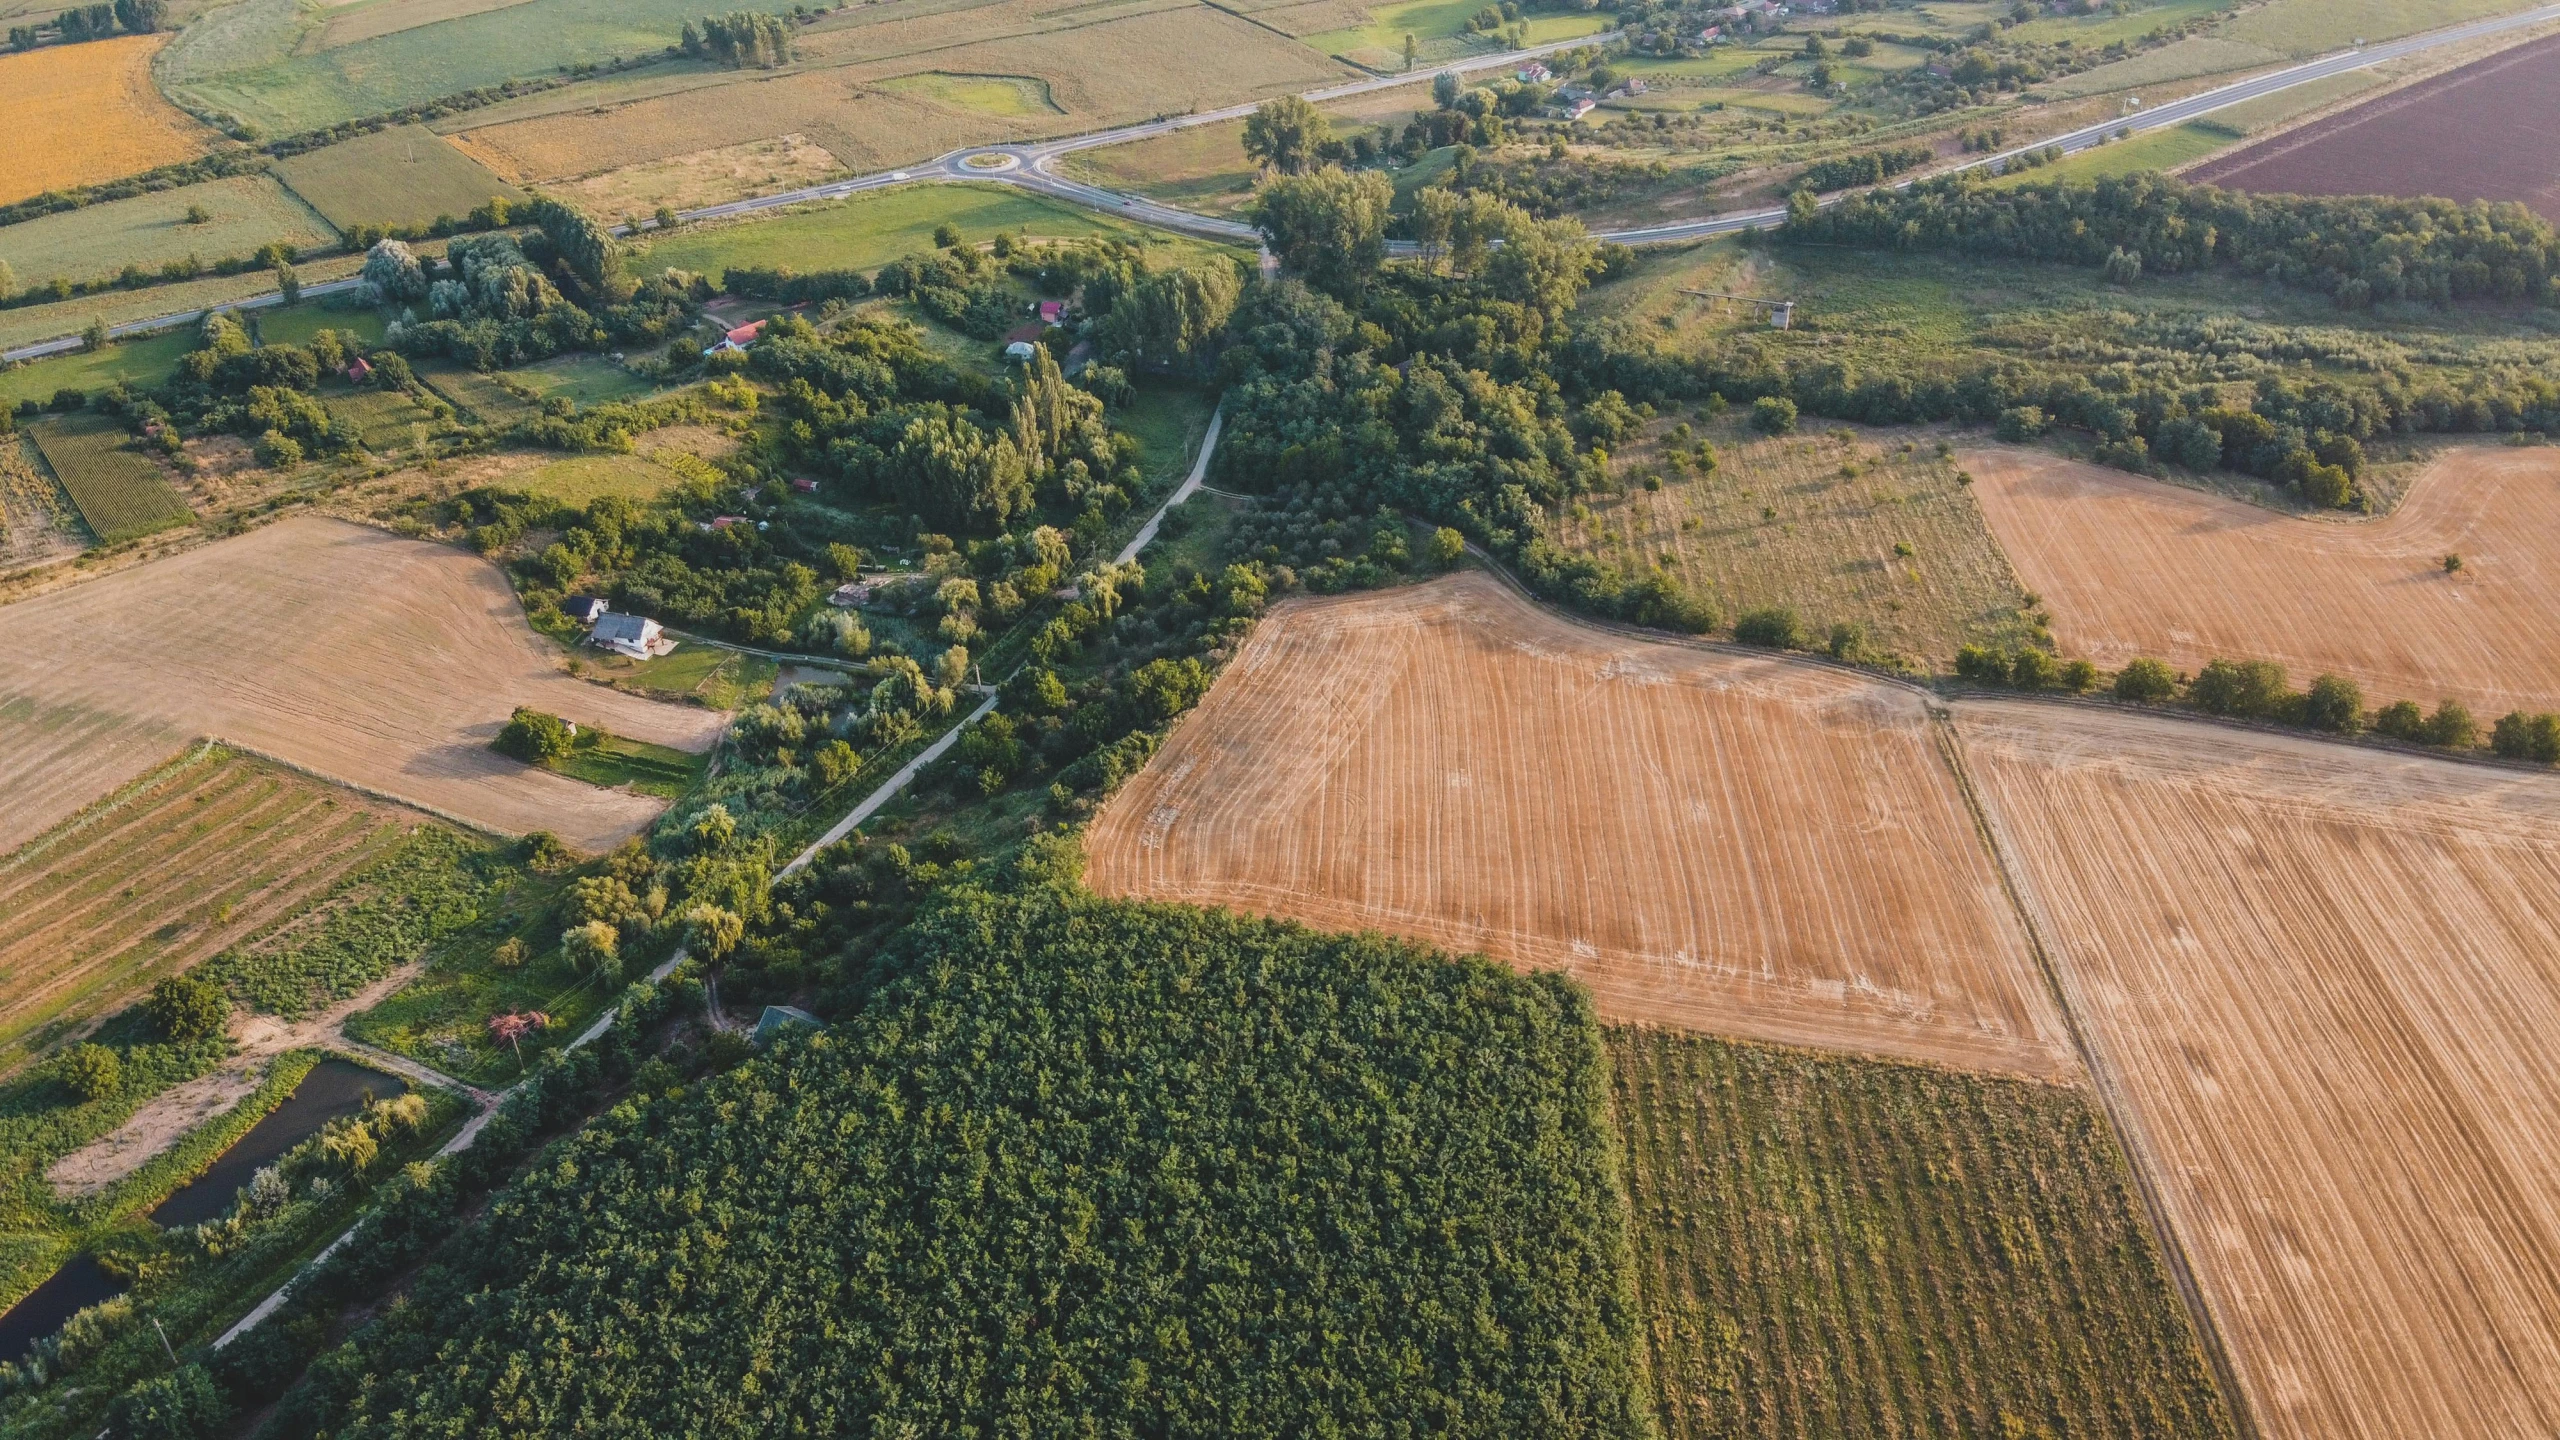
(1028, 164)
(1199, 472)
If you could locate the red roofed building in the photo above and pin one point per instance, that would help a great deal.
(359, 372)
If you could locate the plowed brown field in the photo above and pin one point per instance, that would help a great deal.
(385, 662)
(2322, 983)
(1723, 842)
(2130, 567)
(2488, 131)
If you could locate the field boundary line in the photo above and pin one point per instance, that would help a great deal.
(2138, 1156)
(194, 753)
(308, 772)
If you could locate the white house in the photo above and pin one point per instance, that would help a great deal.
(632, 635)
(585, 609)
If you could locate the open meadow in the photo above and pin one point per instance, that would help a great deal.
(2318, 982)
(200, 853)
(384, 662)
(2426, 140)
(2130, 566)
(121, 494)
(79, 114)
(243, 214)
(1833, 1246)
(1715, 841)
(403, 175)
(865, 232)
(1859, 527)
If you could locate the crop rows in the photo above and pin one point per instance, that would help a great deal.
(1829, 1246)
(121, 494)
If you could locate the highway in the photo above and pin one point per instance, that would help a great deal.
(1028, 163)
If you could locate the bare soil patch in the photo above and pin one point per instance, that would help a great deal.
(1716, 841)
(2130, 566)
(2320, 982)
(2488, 131)
(709, 177)
(384, 662)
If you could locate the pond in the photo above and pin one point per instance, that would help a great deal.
(333, 1089)
(79, 1284)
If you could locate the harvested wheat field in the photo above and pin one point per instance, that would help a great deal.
(2130, 567)
(79, 114)
(385, 662)
(2321, 982)
(202, 852)
(1728, 843)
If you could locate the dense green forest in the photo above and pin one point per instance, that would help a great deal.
(1075, 1167)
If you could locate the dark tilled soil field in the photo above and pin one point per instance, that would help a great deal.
(2488, 131)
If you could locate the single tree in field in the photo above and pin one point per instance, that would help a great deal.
(288, 283)
(1444, 89)
(1408, 50)
(186, 1008)
(510, 1030)
(1283, 134)
(94, 336)
(593, 949)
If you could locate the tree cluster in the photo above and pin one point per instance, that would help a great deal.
(1872, 167)
(741, 40)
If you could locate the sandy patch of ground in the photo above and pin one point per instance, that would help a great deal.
(385, 663)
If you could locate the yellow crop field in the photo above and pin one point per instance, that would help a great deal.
(79, 114)
(2321, 982)
(1721, 842)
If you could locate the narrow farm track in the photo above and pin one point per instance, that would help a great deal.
(2130, 566)
(383, 662)
(2320, 982)
(1722, 842)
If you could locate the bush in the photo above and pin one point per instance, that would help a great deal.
(278, 451)
(1982, 665)
(92, 1072)
(2146, 682)
(2452, 727)
(2032, 669)
(2079, 677)
(2401, 720)
(1775, 628)
(2250, 689)
(2519, 736)
(2020, 423)
(534, 737)
(186, 1008)
(2333, 703)
(1773, 415)
(182, 1405)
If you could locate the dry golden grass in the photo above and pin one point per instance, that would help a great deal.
(707, 177)
(2320, 982)
(384, 662)
(1753, 846)
(1813, 521)
(1207, 58)
(79, 114)
(2130, 567)
(389, 17)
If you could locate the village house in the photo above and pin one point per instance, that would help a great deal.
(359, 372)
(585, 609)
(631, 635)
(738, 339)
(1534, 73)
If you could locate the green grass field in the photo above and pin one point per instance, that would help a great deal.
(706, 674)
(380, 419)
(1439, 30)
(139, 363)
(406, 175)
(296, 324)
(583, 478)
(26, 324)
(483, 397)
(1830, 1246)
(2152, 150)
(586, 379)
(612, 760)
(868, 231)
(1168, 421)
(120, 493)
(1012, 96)
(245, 213)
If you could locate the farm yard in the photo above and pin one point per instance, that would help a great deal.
(2426, 140)
(383, 662)
(2320, 980)
(2130, 566)
(244, 213)
(1834, 1246)
(79, 114)
(406, 175)
(198, 854)
(1864, 528)
(1796, 863)
(120, 493)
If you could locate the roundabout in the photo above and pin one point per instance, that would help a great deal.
(988, 162)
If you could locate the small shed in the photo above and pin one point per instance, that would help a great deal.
(585, 609)
(804, 484)
(779, 1018)
(1053, 312)
(632, 635)
(359, 372)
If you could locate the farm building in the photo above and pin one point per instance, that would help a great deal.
(632, 635)
(358, 371)
(1053, 312)
(778, 1018)
(585, 609)
(738, 339)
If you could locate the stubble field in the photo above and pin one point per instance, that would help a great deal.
(2320, 982)
(2130, 566)
(1829, 1246)
(79, 114)
(200, 853)
(384, 662)
(1714, 841)
(2426, 140)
